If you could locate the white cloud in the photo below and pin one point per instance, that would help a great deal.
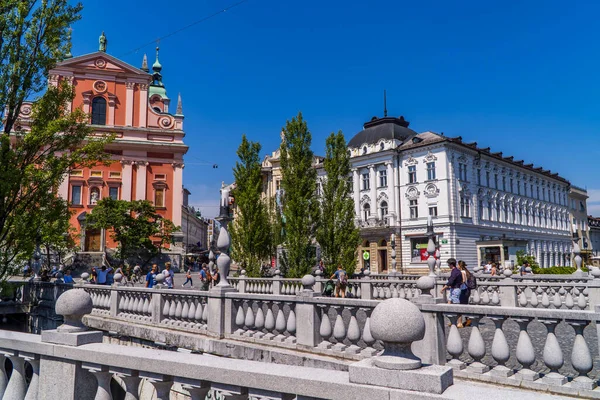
(593, 202)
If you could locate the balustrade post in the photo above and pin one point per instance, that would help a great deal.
(157, 306)
(581, 358)
(476, 347)
(229, 392)
(432, 348)
(525, 351)
(242, 282)
(307, 332)
(17, 384)
(3, 376)
(103, 377)
(593, 293)
(277, 283)
(318, 287)
(366, 292)
(455, 344)
(508, 293)
(114, 301)
(553, 356)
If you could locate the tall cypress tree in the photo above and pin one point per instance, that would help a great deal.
(250, 231)
(336, 233)
(300, 206)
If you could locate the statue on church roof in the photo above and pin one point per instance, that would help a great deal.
(102, 40)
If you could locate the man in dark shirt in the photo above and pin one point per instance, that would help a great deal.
(454, 283)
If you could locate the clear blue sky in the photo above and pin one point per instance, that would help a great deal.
(520, 77)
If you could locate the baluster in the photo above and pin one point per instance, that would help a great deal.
(394, 291)
(581, 300)
(291, 325)
(325, 328)
(17, 385)
(199, 312)
(259, 321)
(185, 311)
(191, 315)
(178, 309)
(522, 296)
(485, 297)
(228, 392)
(369, 340)
(476, 299)
(545, 298)
(525, 351)
(553, 356)
(495, 297)
(375, 294)
(476, 347)
(32, 390)
(3, 376)
(353, 333)
(166, 308)
(205, 312)
(140, 307)
(103, 377)
(534, 297)
(172, 310)
(280, 323)
(122, 301)
(269, 322)
(556, 300)
(199, 392)
(163, 389)
(358, 294)
(581, 358)
(240, 317)
(132, 384)
(500, 349)
(249, 319)
(339, 330)
(454, 346)
(569, 302)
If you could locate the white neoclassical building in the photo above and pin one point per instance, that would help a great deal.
(485, 206)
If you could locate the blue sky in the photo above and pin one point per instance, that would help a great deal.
(520, 77)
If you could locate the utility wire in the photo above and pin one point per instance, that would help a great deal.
(187, 26)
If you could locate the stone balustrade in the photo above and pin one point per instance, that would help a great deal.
(533, 358)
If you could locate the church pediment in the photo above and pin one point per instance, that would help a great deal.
(100, 62)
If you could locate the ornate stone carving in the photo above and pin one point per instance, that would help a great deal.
(130, 85)
(166, 122)
(462, 159)
(25, 110)
(411, 161)
(176, 165)
(431, 190)
(126, 162)
(143, 86)
(100, 86)
(430, 157)
(382, 196)
(141, 163)
(412, 193)
(364, 200)
(100, 63)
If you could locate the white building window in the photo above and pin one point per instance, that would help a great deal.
(464, 207)
(504, 183)
(383, 178)
(384, 210)
(487, 178)
(366, 212)
(489, 207)
(480, 209)
(414, 209)
(365, 181)
(462, 172)
(431, 171)
(433, 211)
(479, 177)
(412, 174)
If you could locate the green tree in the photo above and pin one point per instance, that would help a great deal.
(36, 152)
(300, 206)
(522, 257)
(56, 233)
(135, 225)
(250, 231)
(336, 233)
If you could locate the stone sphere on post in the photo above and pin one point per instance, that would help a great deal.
(425, 284)
(507, 272)
(308, 282)
(118, 278)
(397, 323)
(73, 305)
(243, 273)
(366, 273)
(84, 277)
(159, 278)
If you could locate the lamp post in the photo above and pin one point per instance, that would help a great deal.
(224, 241)
(577, 252)
(430, 247)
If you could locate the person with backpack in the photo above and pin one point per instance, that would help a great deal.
(469, 284)
(204, 277)
(341, 278)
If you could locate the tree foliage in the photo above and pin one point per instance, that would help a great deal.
(37, 152)
(250, 231)
(300, 206)
(56, 232)
(336, 232)
(135, 225)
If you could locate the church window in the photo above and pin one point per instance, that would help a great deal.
(113, 192)
(159, 197)
(366, 211)
(98, 111)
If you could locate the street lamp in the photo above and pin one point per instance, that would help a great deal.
(224, 241)
(577, 251)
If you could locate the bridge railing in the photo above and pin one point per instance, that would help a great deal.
(86, 371)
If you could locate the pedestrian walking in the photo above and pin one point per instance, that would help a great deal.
(188, 277)
(454, 283)
(102, 274)
(216, 277)
(169, 275)
(468, 284)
